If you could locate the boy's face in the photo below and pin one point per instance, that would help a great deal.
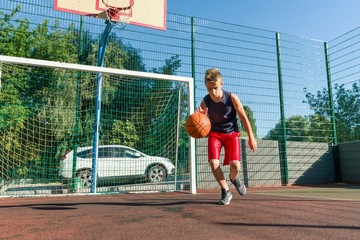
(214, 89)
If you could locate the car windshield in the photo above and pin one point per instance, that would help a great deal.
(85, 154)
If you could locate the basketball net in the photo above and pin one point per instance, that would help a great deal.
(118, 12)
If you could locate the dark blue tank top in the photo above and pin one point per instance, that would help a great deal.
(222, 114)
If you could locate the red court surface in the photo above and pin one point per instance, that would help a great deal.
(261, 214)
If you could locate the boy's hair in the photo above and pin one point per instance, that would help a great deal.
(212, 75)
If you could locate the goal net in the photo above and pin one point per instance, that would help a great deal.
(49, 142)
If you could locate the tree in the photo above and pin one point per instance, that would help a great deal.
(313, 128)
(320, 129)
(317, 127)
(346, 109)
(122, 132)
(297, 128)
(250, 116)
(41, 103)
(27, 91)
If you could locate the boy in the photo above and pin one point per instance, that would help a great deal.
(221, 107)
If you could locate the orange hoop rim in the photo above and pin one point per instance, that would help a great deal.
(115, 12)
(119, 8)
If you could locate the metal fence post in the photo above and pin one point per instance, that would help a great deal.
(193, 75)
(282, 140)
(78, 100)
(333, 120)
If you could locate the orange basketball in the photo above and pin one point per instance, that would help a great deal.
(198, 125)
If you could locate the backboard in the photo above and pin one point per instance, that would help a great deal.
(146, 13)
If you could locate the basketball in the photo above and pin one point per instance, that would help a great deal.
(198, 125)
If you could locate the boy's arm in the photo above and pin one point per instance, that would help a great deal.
(241, 112)
(202, 108)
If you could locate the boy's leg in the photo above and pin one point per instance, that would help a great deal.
(226, 195)
(218, 173)
(232, 157)
(234, 170)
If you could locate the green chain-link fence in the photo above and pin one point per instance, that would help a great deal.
(301, 95)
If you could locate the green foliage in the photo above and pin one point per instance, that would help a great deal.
(170, 67)
(31, 169)
(45, 112)
(54, 43)
(252, 120)
(346, 109)
(314, 128)
(123, 133)
(15, 39)
(318, 127)
(29, 94)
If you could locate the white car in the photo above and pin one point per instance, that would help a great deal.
(116, 161)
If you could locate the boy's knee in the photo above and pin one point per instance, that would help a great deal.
(235, 163)
(214, 163)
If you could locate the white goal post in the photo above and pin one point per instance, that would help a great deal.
(114, 76)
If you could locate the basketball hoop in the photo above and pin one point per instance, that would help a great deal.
(118, 11)
(143, 13)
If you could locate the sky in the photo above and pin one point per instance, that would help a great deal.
(316, 19)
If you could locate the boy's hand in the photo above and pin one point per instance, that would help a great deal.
(200, 110)
(252, 144)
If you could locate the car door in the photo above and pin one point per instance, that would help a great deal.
(84, 159)
(117, 160)
(131, 163)
(106, 163)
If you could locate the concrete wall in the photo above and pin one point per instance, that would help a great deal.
(258, 169)
(349, 157)
(308, 163)
(261, 168)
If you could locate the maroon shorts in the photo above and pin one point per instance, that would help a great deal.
(231, 143)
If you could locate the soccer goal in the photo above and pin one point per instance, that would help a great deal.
(53, 141)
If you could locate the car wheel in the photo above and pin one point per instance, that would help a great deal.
(156, 173)
(85, 176)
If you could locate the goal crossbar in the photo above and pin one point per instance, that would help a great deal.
(94, 69)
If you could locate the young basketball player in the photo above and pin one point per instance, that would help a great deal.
(221, 107)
